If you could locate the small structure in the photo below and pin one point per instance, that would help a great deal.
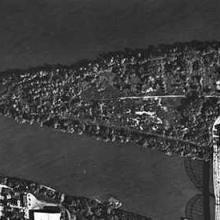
(218, 85)
(45, 214)
(40, 210)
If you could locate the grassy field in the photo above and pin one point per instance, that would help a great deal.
(147, 182)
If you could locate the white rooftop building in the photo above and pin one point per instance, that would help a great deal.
(46, 216)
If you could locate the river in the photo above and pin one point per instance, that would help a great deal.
(50, 31)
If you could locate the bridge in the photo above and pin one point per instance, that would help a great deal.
(216, 166)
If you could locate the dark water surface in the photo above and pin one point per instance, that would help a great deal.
(146, 182)
(51, 31)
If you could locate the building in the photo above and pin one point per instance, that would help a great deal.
(40, 210)
(45, 214)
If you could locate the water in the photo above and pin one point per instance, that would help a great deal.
(50, 31)
(147, 182)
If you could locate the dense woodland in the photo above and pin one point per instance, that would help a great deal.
(164, 97)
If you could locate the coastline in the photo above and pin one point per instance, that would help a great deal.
(58, 160)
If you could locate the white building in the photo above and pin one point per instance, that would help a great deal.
(42, 215)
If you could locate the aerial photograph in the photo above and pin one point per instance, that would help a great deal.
(110, 110)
